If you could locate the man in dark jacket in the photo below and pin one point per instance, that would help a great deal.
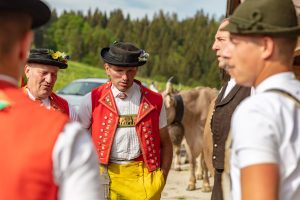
(229, 97)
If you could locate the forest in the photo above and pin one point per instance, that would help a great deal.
(180, 48)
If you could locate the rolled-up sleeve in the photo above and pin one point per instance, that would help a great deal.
(85, 111)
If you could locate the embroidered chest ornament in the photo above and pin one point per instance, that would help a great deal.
(126, 121)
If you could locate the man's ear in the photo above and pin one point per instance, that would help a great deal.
(25, 45)
(106, 67)
(27, 71)
(268, 47)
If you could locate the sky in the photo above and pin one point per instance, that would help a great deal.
(140, 8)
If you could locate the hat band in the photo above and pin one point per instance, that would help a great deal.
(255, 24)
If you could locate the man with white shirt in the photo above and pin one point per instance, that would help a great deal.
(129, 127)
(43, 155)
(230, 96)
(265, 127)
(41, 73)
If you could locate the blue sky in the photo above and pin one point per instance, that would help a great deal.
(139, 8)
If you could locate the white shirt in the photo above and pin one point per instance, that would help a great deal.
(230, 86)
(47, 104)
(126, 144)
(265, 129)
(231, 83)
(75, 163)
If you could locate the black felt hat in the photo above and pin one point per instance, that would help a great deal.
(37, 9)
(124, 54)
(48, 57)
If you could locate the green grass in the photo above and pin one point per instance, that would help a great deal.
(77, 70)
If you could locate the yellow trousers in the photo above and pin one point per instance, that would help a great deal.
(133, 181)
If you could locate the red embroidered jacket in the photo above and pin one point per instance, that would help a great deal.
(59, 103)
(105, 121)
(28, 134)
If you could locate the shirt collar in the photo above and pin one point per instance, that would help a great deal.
(44, 101)
(8, 79)
(231, 83)
(129, 92)
(276, 81)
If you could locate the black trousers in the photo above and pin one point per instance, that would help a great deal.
(217, 193)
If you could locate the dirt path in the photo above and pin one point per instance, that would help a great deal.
(176, 185)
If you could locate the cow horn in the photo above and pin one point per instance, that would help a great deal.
(169, 86)
(170, 79)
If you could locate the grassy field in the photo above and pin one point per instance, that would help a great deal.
(78, 70)
(75, 71)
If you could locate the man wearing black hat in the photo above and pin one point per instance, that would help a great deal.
(265, 127)
(42, 156)
(128, 125)
(41, 72)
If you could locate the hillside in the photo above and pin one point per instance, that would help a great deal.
(79, 70)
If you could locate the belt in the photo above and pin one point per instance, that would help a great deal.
(139, 158)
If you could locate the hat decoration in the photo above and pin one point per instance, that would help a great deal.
(49, 57)
(59, 56)
(144, 56)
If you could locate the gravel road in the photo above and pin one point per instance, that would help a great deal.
(176, 185)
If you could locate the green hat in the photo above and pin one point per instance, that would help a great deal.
(264, 17)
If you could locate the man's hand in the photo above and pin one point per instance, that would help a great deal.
(166, 151)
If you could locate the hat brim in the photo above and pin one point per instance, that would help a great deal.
(233, 28)
(38, 10)
(54, 63)
(110, 60)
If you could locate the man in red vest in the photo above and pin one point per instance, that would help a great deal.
(128, 126)
(41, 73)
(43, 155)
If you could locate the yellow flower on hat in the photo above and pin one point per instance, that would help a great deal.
(59, 56)
(56, 55)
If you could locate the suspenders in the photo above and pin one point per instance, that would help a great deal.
(286, 94)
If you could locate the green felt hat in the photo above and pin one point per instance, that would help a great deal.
(264, 17)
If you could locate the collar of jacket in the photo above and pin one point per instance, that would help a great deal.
(145, 106)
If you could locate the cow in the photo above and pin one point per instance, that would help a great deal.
(195, 103)
(208, 140)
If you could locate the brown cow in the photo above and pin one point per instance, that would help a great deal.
(208, 140)
(196, 104)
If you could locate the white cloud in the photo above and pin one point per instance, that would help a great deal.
(139, 8)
